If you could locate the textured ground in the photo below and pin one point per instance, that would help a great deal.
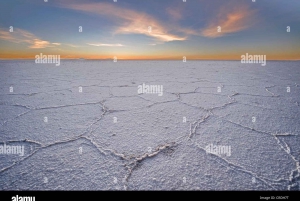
(110, 137)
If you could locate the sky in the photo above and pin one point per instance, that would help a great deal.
(150, 29)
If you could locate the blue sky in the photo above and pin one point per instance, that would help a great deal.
(177, 28)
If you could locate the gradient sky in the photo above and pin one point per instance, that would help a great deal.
(178, 29)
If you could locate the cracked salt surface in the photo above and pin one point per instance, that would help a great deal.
(109, 137)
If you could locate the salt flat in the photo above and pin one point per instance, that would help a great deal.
(84, 126)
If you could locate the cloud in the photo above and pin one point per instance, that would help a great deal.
(106, 45)
(5, 35)
(231, 19)
(130, 21)
(71, 45)
(22, 36)
(37, 44)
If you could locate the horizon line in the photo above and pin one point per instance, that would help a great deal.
(82, 59)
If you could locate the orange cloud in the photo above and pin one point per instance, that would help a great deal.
(22, 36)
(131, 21)
(231, 19)
(5, 35)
